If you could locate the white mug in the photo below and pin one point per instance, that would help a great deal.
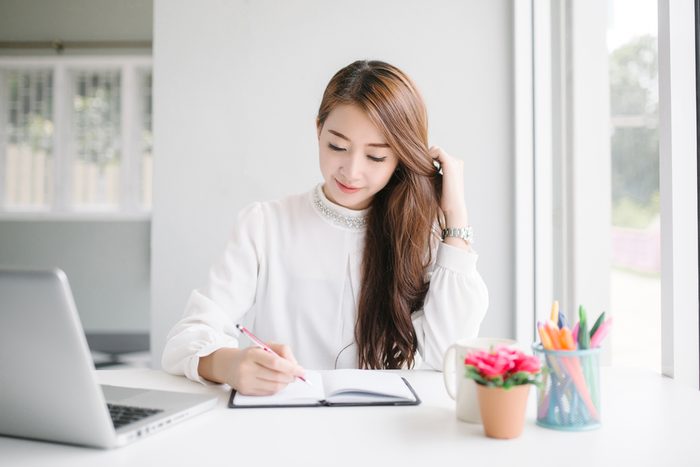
(460, 388)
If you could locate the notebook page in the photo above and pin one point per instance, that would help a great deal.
(296, 393)
(365, 385)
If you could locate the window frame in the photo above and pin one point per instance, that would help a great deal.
(524, 186)
(131, 68)
(678, 180)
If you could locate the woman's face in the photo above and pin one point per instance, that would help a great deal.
(355, 160)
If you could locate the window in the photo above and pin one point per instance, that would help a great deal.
(75, 135)
(635, 276)
(591, 146)
(95, 130)
(28, 135)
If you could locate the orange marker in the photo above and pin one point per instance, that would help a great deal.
(574, 368)
(566, 339)
(553, 335)
(544, 337)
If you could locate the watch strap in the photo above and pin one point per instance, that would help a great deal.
(465, 233)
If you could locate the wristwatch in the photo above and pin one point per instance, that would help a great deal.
(465, 233)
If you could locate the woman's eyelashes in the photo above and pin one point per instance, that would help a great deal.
(370, 157)
(376, 159)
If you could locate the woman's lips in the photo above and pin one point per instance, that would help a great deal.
(345, 188)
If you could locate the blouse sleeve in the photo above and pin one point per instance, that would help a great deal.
(211, 312)
(454, 306)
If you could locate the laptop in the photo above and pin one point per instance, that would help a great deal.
(49, 388)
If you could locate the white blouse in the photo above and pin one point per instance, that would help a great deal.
(291, 273)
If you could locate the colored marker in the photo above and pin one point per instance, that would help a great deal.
(584, 338)
(597, 323)
(554, 315)
(601, 333)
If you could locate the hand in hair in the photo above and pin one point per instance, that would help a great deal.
(252, 371)
(452, 200)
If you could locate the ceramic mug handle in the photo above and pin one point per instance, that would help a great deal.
(448, 366)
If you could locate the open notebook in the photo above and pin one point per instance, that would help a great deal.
(336, 388)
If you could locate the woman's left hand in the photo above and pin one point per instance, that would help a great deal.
(452, 201)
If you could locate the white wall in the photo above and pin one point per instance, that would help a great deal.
(236, 88)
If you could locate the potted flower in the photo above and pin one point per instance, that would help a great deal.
(503, 376)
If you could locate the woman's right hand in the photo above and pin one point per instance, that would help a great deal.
(252, 371)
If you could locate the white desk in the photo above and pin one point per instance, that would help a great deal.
(648, 420)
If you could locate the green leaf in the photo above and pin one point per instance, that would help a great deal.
(473, 373)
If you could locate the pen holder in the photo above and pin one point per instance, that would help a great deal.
(569, 397)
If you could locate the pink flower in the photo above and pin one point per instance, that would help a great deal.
(501, 364)
(528, 363)
(491, 364)
(494, 366)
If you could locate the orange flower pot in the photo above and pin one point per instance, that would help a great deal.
(503, 410)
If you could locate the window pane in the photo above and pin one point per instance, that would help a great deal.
(146, 138)
(636, 247)
(28, 128)
(96, 139)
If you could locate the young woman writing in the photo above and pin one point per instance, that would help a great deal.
(373, 268)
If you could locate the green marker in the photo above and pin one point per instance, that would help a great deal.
(584, 338)
(597, 324)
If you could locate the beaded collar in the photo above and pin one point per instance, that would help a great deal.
(338, 215)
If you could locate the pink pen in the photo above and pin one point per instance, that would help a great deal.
(601, 333)
(262, 345)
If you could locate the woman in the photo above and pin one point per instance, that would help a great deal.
(354, 273)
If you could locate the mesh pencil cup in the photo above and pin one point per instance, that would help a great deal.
(569, 397)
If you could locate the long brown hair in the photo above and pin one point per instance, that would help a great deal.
(403, 214)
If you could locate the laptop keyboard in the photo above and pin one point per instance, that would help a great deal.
(124, 414)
